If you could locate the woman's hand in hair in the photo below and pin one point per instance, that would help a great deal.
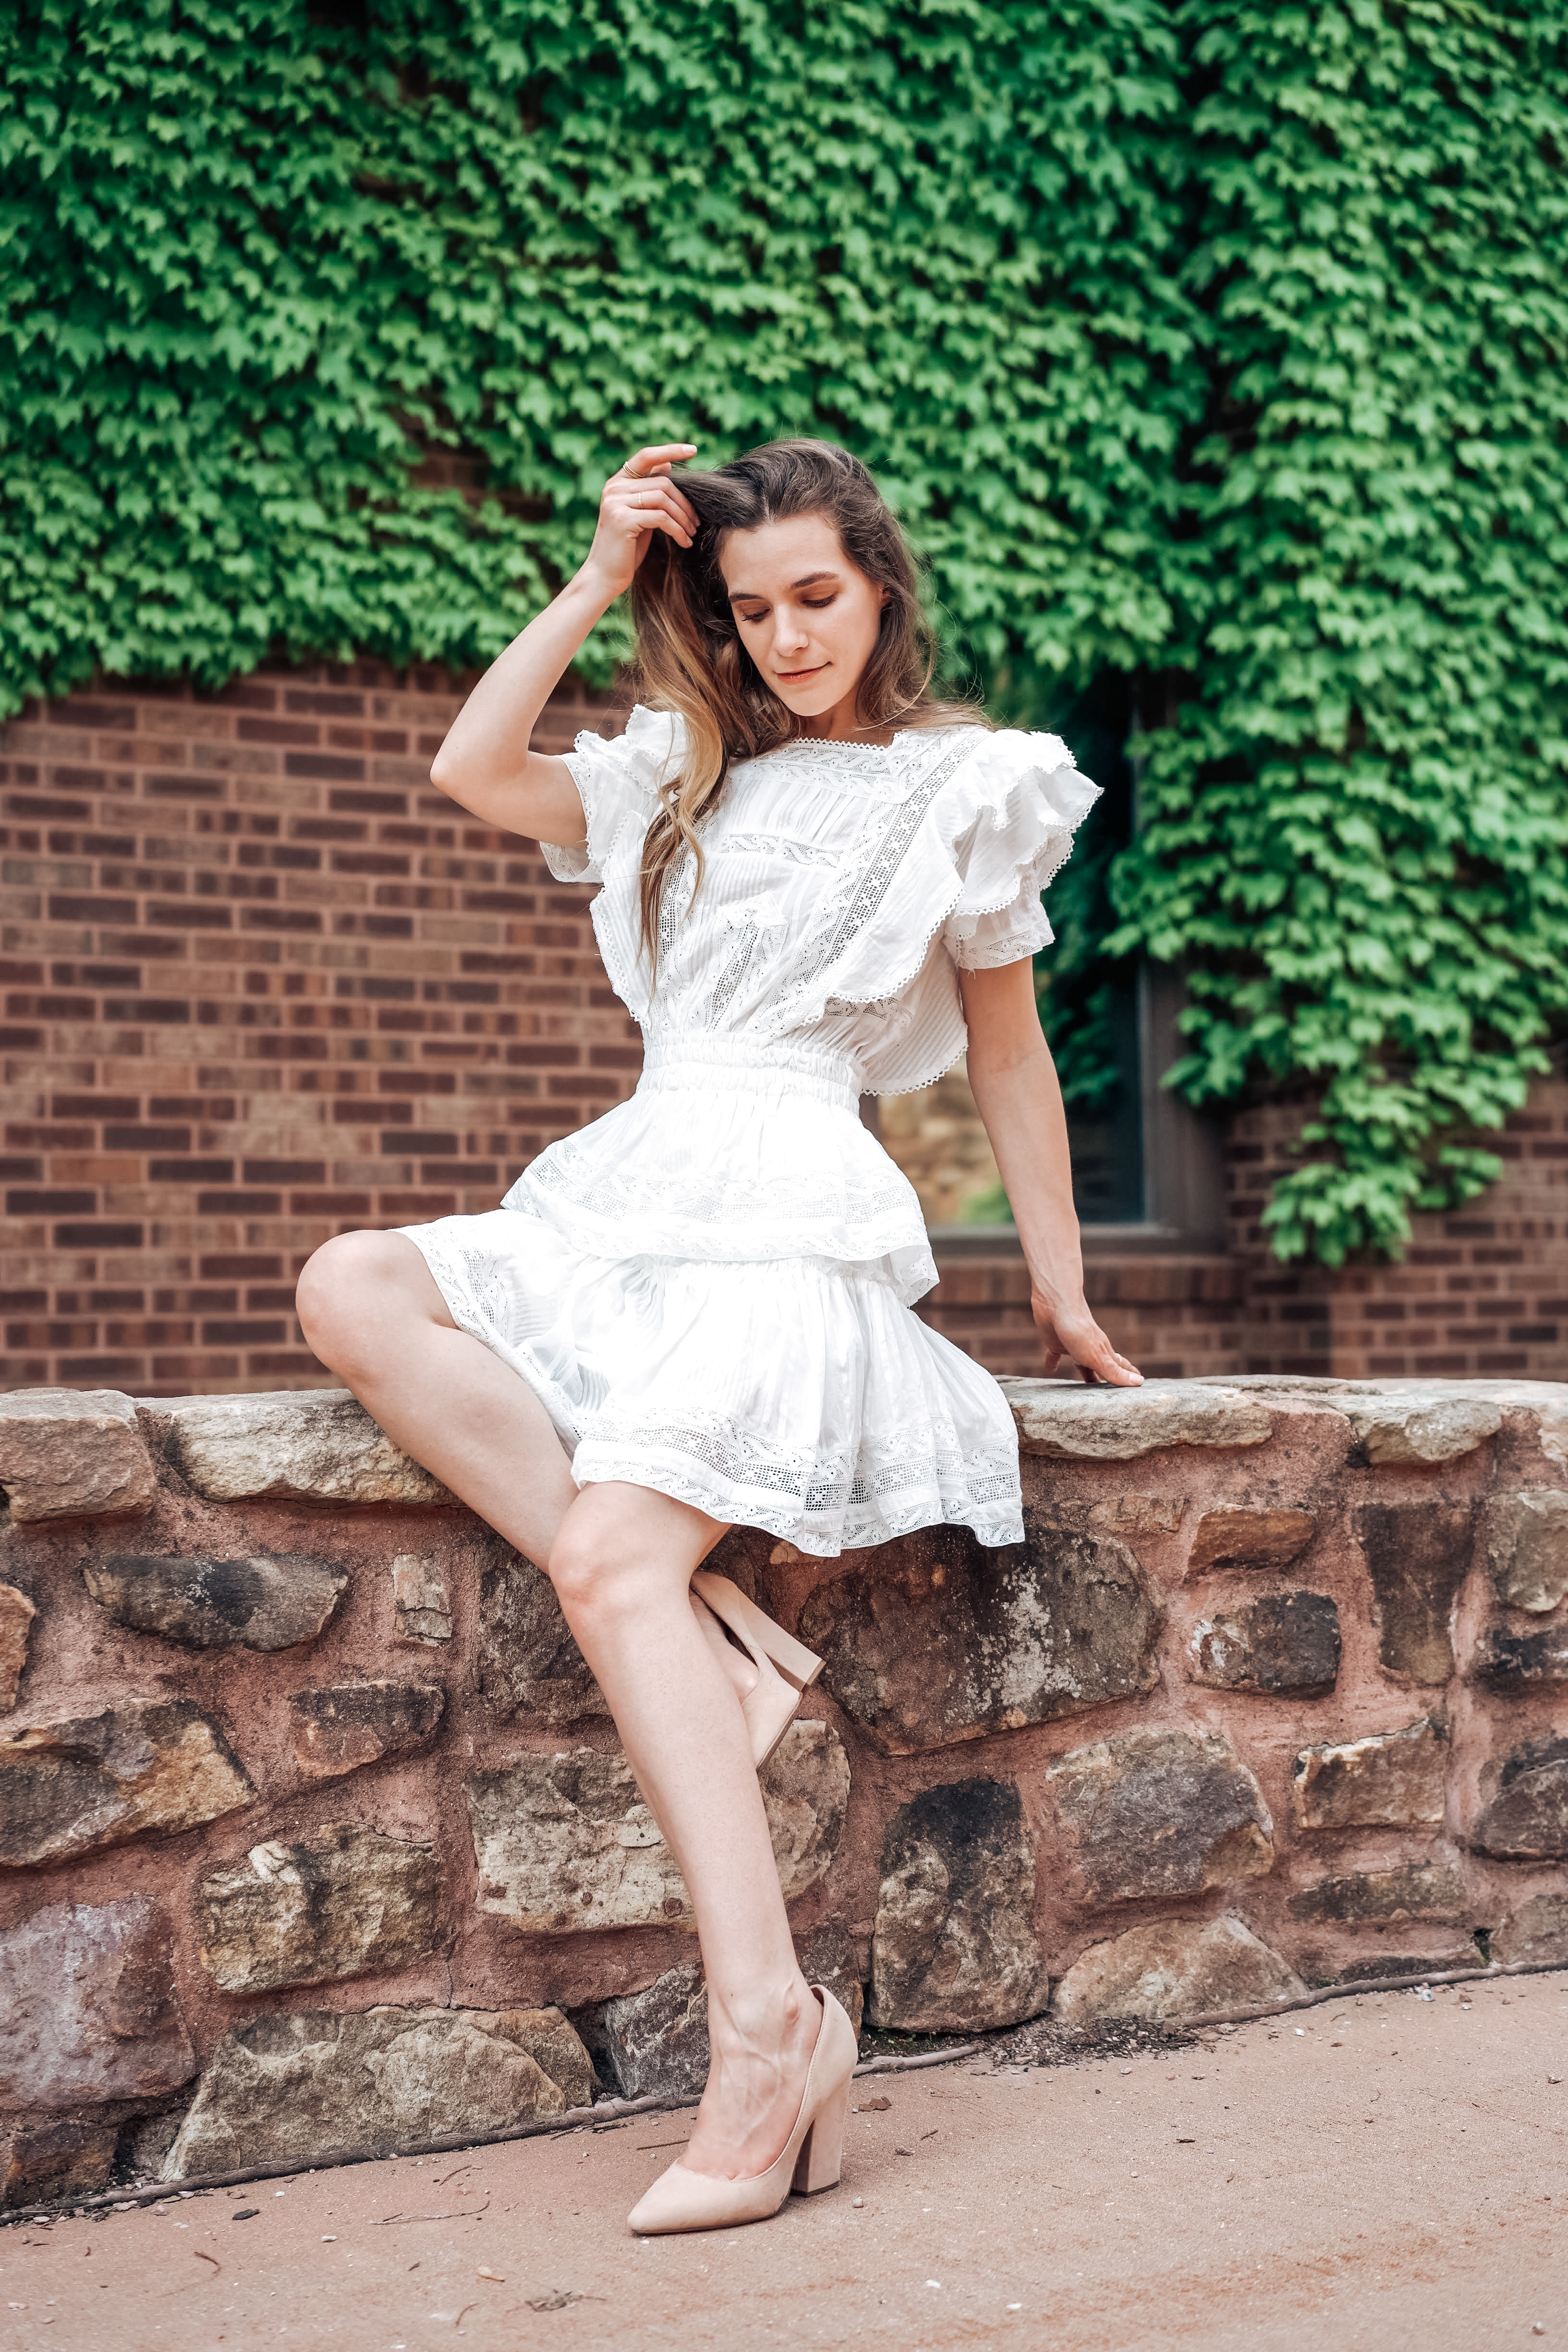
(639, 498)
(487, 762)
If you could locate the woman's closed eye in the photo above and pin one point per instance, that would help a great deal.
(808, 604)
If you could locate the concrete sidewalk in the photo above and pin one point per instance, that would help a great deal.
(1390, 2173)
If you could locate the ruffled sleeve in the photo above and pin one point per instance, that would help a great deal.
(618, 781)
(1010, 816)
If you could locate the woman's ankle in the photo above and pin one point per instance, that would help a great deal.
(762, 2021)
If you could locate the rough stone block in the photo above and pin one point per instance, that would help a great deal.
(88, 2009)
(68, 2158)
(1281, 1642)
(1527, 1548)
(1418, 1555)
(266, 1601)
(829, 1958)
(421, 1602)
(97, 1780)
(291, 2086)
(1175, 1967)
(1537, 1931)
(16, 1615)
(145, 2140)
(359, 1723)
(314, 1446)
(1392, 1778)
(529, 1662)
(336, 1904)
(806, 1789)
(1519, 1661)
(554, 2044)
(941, 1641)
(565, 1842)
(1126, 1517)
(73, 1453)
(1067, 1420)
(1418, 1424)
(1159, 1813)
(656, 2039)
(1244, 1534)
(1527, 1818)
(1415, 1890)
(954, 1947)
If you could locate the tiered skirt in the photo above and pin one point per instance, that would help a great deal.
(710, 1289)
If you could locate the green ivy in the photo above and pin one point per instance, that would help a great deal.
(1354, 830)
(1219, 347)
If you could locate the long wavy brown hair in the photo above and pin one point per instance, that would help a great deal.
(690, 659)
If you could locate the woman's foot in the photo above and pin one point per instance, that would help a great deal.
(755, 2082)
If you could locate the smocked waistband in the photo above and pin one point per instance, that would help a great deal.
(674, 1064)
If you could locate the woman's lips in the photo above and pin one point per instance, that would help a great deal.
(794, 677)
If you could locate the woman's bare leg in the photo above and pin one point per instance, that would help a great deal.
(621, 1558)
(621, 1565)
(371, 1309)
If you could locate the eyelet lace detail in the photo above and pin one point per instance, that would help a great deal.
(823, 1502)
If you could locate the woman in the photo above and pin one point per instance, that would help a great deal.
(696, 1313)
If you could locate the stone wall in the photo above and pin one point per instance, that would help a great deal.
(315, 1833)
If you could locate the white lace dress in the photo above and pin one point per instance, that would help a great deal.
(710, 1287)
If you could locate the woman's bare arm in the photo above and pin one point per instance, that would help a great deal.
(485, 762)
(1013, 1081)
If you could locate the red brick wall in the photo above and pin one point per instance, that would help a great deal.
(262, 984)
(1174, 1316)
(1480, 1295)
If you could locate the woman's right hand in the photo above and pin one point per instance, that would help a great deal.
(639, 499)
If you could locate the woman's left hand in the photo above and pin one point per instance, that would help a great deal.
(1071, 1332)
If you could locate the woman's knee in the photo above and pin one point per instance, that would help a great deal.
(338, 1289)
(591, 1577)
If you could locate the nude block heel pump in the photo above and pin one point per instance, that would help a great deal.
(784, 1666)
(809, 2160)
(821, 2157)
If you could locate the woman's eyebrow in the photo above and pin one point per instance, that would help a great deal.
(754, 596)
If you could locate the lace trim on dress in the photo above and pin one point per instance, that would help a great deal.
(735, 971)
(822, 1502)
(849, 906)
(567, 864)
(776, 844)
(873, 772)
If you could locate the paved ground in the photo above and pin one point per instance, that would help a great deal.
(1386, 2173)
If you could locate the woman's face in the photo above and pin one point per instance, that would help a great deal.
(806, 615)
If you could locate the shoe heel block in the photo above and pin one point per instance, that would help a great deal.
(730, 1604)
(821, 2157)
